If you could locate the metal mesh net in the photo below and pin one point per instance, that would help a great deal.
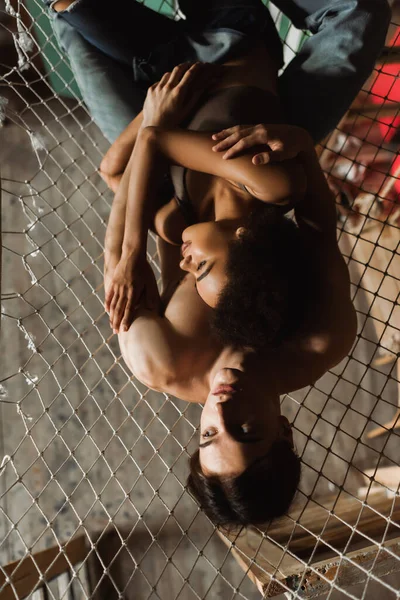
(86, 449)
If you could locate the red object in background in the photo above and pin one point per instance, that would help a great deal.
(386, 89)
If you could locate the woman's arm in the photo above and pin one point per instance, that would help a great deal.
(117, 156)
(274, 183)
(131, 215)
(167, 103)
(272, 144)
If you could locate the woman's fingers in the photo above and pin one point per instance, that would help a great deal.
(178, 73)
(233, 137)
(127, 318)
(163, 81)
(237, 131)
(108, 298)
(113, 304)
(119, 310)
(235, 147)
(263, 158)
(190, 74)
(221, 135)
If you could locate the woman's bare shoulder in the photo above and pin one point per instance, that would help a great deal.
(169, 222)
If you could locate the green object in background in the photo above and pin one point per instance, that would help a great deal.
(57, 68)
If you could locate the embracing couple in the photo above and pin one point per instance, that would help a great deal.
(211, 150)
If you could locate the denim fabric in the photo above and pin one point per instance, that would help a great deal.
(132, 33)
(320, 83)
(315, 89)
(109, 91)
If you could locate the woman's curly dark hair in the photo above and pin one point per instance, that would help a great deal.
(264, 491)
(260, 305)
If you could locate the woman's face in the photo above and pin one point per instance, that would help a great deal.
(239, 423)
(205, 254)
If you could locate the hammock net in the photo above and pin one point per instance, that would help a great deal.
(85, 449)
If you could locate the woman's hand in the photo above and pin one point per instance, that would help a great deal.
(172, 99)
(282, 142)
(132, 282)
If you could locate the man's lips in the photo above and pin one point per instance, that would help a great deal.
(224, 389)
(184, 247)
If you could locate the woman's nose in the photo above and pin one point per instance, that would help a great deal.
(186, 262)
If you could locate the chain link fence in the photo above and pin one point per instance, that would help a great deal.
(85, 448)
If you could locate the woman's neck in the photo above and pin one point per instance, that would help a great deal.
(230, 201)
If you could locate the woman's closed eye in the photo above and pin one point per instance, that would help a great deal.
(201, 265)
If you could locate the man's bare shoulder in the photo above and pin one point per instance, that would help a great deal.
(330, 324)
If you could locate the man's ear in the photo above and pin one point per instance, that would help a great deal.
(240, 232)
(286, 430)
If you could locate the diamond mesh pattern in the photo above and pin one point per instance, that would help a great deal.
(84, 447)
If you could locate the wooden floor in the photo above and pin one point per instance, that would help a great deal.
(93, 450)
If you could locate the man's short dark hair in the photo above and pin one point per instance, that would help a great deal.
(264, 491)
(263, 301)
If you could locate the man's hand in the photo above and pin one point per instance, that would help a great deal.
(282, 142)
(170, 101)
(132, 282)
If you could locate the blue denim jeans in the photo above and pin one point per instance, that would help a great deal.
(116, 54)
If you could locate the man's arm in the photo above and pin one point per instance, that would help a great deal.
(151, 350)
(316, 213)
(320, 83)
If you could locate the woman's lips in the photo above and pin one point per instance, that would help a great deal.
(224, 389)
(184, 247)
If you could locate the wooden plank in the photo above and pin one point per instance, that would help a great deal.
(263, 561)
(351, 569)
(28, 572)
(278, 554)
(372, 559)
(337, 528)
